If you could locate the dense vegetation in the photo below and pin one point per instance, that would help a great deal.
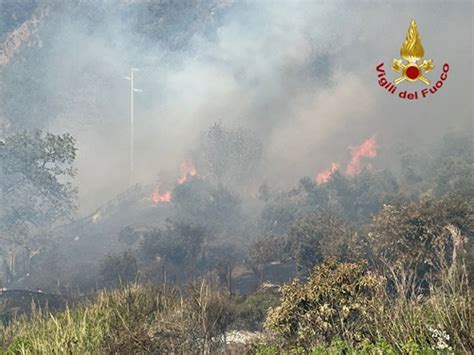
(376, 262)
(379, 264)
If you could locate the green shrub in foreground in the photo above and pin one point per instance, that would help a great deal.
(335, 302)
(344, 301)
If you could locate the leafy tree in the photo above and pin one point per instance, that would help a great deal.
(199, 202)
(179, 244)
(228, 156)
(320, 235)
(340, 196)
(352, 198)
(281, 210)
(221, 257)
(369, 191)
(413, 165)
(35, 181)
(445, 168)
(128, 235)
(264, 250)
(453, 166)
(358, 198)
(317, 196)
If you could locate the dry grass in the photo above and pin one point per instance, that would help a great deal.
(136, 319)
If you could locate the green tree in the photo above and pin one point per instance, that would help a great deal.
(200, 202)
(281, 210)
(356, 199)
(35, 182)
(228, 156)
(264, 250)
(221, 257)
(179, 245)
(453, 165)
(320, 235)
(445, 168)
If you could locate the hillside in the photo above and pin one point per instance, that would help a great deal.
(236, 177)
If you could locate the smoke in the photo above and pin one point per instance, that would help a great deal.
(301, 75)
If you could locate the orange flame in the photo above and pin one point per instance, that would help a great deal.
(156, 197)
(324, 176)
(367, 149)
(187, 169)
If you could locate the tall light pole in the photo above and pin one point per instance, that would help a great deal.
(132, 123)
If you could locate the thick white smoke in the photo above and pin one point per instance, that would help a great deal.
(300, 74)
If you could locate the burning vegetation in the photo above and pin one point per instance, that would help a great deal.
(157, 197)
(325, 175)
(368, 149)
(232, 249)
(187, 170)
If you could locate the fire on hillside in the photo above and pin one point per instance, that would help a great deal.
(368, 149)
(187, 169)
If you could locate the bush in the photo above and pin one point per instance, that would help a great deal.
(118, 269)
(412, 244)
(178, 247)
(263, 251)
(335, 302)
(320, 235)
(252, 310)
(343, 301)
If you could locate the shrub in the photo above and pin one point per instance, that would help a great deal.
(179, 247)
(344, 301)
(118, 269)
(263, 251)
(335, 302)
(412, 244)
(320, 235)
(252, 310)
(441, 320)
